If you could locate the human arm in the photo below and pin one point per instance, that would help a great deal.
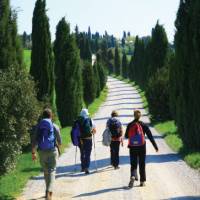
(34, 142)
(58, 138)
(93, 127)
(149, 135)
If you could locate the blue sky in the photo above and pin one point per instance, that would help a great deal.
(136, 16)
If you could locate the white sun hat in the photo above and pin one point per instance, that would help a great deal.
(84, 112)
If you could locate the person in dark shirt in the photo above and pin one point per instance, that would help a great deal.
(115, 140)
(137, 149)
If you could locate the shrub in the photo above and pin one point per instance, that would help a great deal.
(19, 111)
(158, 94)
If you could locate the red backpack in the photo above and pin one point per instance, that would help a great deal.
(136, 135)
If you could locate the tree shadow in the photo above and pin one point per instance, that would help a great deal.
(118, 104)
(120, 99)
(117, 95)
(6, 197)
(186, 198)
(35, 169)
(125, 90)
(119, 87)
(100, 192)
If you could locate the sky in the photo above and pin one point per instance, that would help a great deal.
(114, 16)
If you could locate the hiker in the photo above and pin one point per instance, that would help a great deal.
(47, 136)
(116, 131)
(87, 128)
(135, 133)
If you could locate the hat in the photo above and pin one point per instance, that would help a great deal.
(84, 112)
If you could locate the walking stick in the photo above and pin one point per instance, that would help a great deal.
(95, 153)
(75, 159)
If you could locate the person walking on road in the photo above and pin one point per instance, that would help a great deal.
(135, 133)
(46, 138)
(87, 129)
(116, 131)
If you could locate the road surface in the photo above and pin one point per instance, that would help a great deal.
(168, 177)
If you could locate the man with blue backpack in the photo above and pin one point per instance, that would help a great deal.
(81, 135)
(135, 133)
(46, 137)
(115, 127)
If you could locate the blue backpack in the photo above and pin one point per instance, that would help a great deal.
(114, 127)
(45, 135)
(75, 134)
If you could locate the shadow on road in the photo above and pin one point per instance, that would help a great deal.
(125, 98)
(185, 198)
(127, 94)
(100, 192)
(118, 104)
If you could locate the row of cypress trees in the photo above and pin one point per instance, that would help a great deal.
(66, 68)
(185, 73)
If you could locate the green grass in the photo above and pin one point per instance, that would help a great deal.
(169, 130)
(27, 58)
(93, 108)
(11, 184)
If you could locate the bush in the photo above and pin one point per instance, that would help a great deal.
(158, 95)
(19, 111)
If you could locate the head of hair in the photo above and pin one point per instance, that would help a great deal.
(114, 113)
(47, 113)
(137, 114)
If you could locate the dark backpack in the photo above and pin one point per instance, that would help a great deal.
(75, 134)
(136, 135)
(85, 125)
(114, 127)
(45, 135)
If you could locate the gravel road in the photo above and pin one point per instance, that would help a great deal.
(168, 177)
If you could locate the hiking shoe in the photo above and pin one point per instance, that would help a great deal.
(49, 196)
(131, 183)
(82, 170)
(116, 167)
(142, 184)
(87, 171)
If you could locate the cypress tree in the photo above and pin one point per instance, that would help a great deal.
(68, 73)
(104, 51)
(185, 73)
(124, 66)
(97, 79)
(87, 51)
(117, 62)
(110, 61)
(89, 33)
(16, 54)
(89, 85)
(5, 40)
(42, 66)
(131, 69)
(159, 48)
(102, 71)
(10, 47)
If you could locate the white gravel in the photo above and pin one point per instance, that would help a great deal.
(168, 177)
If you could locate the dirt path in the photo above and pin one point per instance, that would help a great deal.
(168, 177)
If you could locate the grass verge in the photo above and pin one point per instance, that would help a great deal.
(11, 184)
(169, 130)
(27, 58)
